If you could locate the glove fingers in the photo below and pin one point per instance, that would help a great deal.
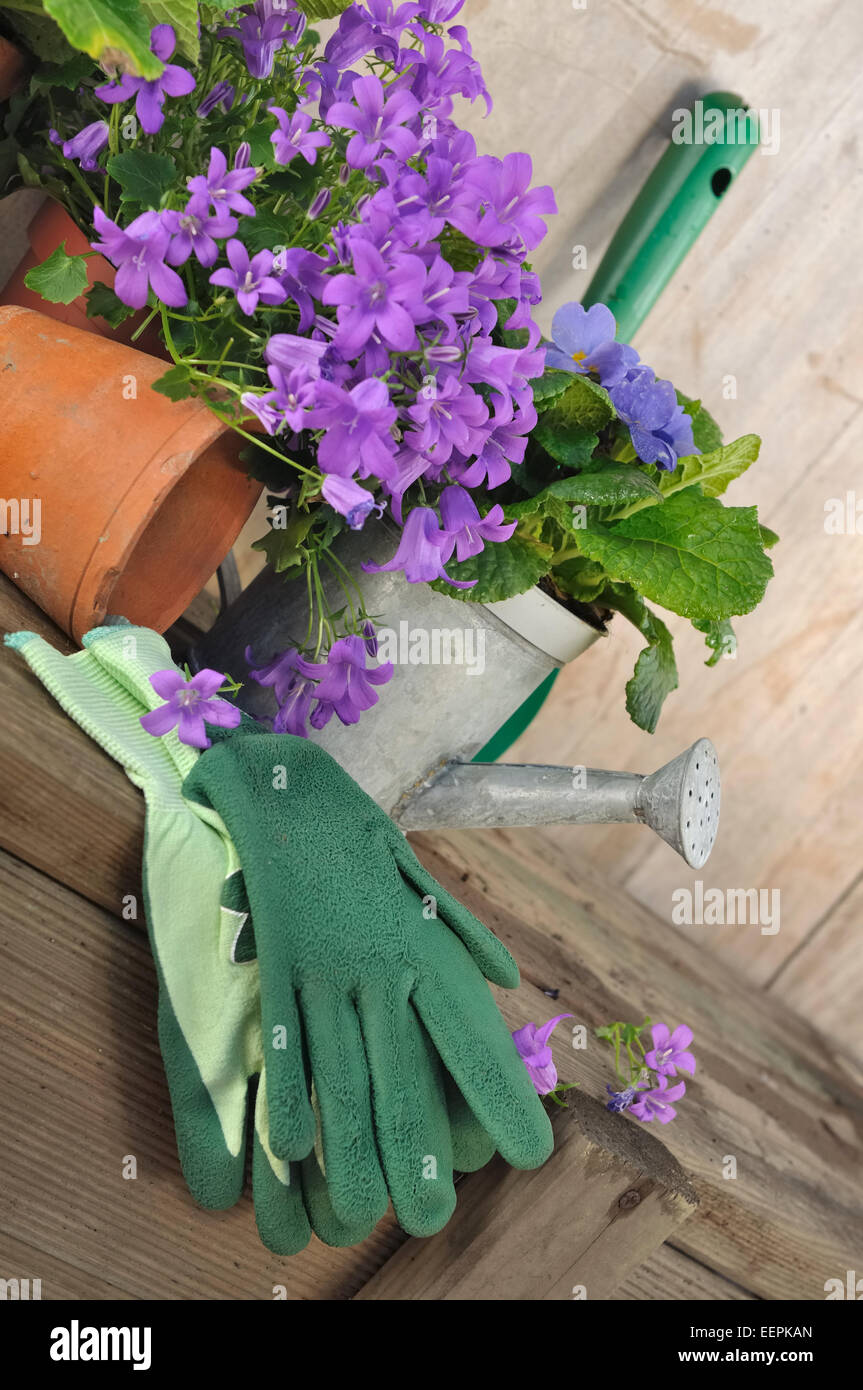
(477, 1049)
(292, 1120)
(355, 1182)
(472, 1146)
(490, 954)
(213, 1172)
(411, 1120)
(326, 1225)
(280, 1213)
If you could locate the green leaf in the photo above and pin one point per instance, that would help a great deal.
(103, 303)
(713, 471)
(176, 383)
(549, 387)
(143, 177)
(768, 538)
(69, 75)
(182, 15)
(655, 674)
(114, 32)
(60, 279)
(605, 488)
(502, 569)
(322, 9)
(582, 579)
(720, 637)
(585, 404)
(567, 443)
(705, 431)
(692, 555)
(266, 231)
(282, 545)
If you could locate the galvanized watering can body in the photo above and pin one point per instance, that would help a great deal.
(460, 670)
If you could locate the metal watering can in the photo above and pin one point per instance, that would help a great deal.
(460, 671)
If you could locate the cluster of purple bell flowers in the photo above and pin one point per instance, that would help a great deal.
(583, 342)
(668, 1055)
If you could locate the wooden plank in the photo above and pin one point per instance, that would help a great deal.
(669, 1276)
(770, 1092)
(81, 1087)
(574, 1228)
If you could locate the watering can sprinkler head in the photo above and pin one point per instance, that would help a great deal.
(680, 801)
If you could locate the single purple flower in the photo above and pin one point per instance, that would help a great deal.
(345, 689)
(466, 531)
(294, 682)
(250, 279)
(659, 429)
(319, 204)
(669, 1050)
(139, 252)
(86, 145)
(262, 29)
(583, 342)
(656, 1104)
(173, 81)
(194, 230)
(223, 187)
(377, 297)
(533, 1047)
(190, 704)
(294, 135)
(221, 95)
(243, 157)
(419, 551)
(506, 211)
(378, 121)
(447, 415)
(350, 500)
(620, 1100)
(288, 350)
(357, 424)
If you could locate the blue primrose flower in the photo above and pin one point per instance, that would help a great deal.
(583, 342)
(660, 429)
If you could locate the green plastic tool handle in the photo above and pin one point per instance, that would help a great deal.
(675, 204)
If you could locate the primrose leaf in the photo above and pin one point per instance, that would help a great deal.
(114, 32)
(655, 674)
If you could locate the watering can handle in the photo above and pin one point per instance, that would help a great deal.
(674, 205)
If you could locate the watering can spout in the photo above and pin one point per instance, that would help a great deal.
(680, 802)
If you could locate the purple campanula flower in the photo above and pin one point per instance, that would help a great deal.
(505, 209)
(300, 273)
(357, 425)
(294, 683)
(190, 704)
(420, 551)
(294, 135)
(620, 1100)
(350, 500)
(173, 81)
(583, 342)
(345, 688)
(377, 297)
(243, 157)
(222, 95)
(287, 350)
(356, 36)
(447, 415)
(661, 431)
(194, 231)
(86, 145)
(533, 1047)
(466, 531)
(669, 1050)
(249, 278)
(262, 29)
(439, 11)
(657, 1104)
(379, 122)
(223, 187)
(286, 404)
(319, 204)
(139, 252)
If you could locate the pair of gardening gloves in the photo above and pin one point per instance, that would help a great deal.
(299, 941)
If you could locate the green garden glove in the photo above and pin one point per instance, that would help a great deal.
(372, 988)
(209, 1006)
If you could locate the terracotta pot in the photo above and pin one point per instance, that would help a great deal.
(13, 65)
(50, 228)
(141, 498)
